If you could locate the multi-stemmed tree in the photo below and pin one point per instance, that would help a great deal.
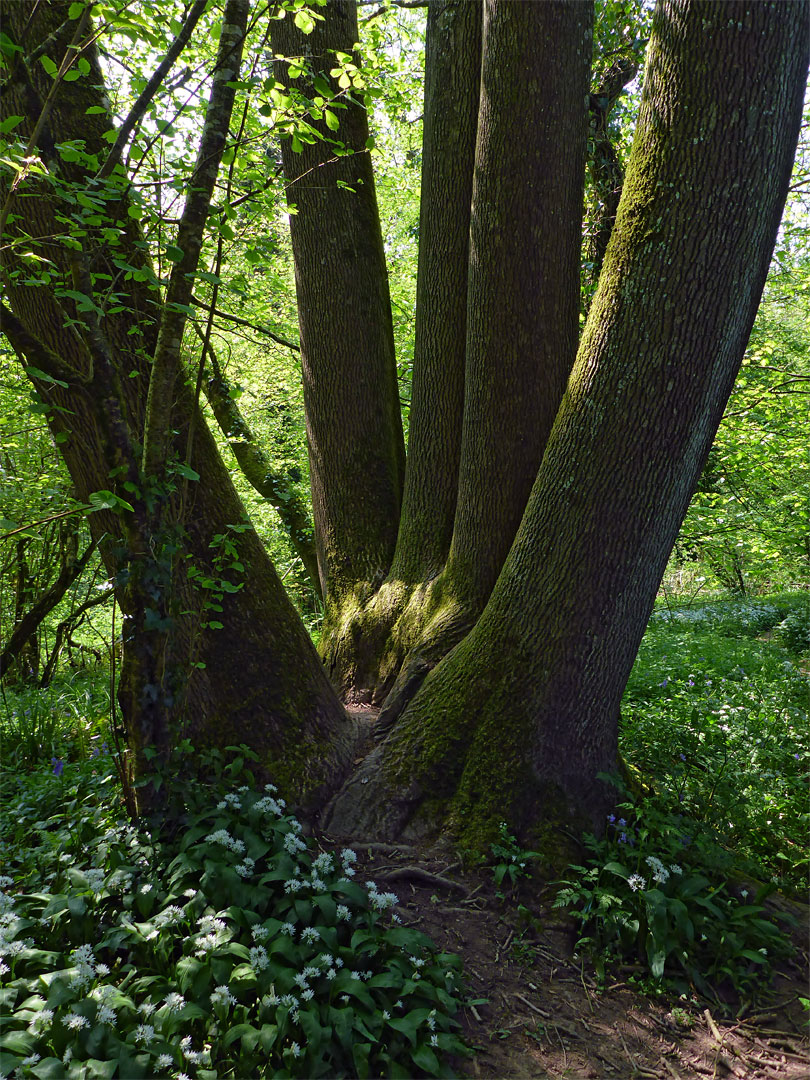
(491, 592)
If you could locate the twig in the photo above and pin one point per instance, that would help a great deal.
(534, 1008)
(712, 1026)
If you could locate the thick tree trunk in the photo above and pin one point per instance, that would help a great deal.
(260, 680)
(519, 720)
(522, 309)
(360, 653)
(354, 427)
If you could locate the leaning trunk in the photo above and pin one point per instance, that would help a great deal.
(518, 722)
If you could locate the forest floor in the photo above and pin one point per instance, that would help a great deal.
(545, 1016)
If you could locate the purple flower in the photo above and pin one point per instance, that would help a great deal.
(622, 822)
(623, 838)
(612, 817)
(683, 757)
(58, 766)
(796, 756)
(664, 683)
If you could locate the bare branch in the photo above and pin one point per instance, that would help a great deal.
(139, 108)
(166, 363)
(245, 322)
(36, 352)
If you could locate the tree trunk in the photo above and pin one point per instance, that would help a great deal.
(354, 427)
(360, 654)
(518, 721)
(259, 681)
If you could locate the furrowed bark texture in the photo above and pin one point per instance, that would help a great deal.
(520, 718)
(359, 651)
(351, 398)
(523, 306)
(452, 88)
(261, 682)
(522, 310)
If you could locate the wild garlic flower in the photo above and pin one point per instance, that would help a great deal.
(310, 935)
(144, 1033)
(174, 1002)
(660, 872)
(293, 843)
(260, 933)
(259, 959)
(170, 915)
(222, 996)
(343, 913)
(288, 928)
(75, 1021)
(41, 1022)
(106, 1015)
(636, 882)
(165, 1061)
(246, 867)
(5, 881)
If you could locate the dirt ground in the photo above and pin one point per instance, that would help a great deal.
(545, 1016)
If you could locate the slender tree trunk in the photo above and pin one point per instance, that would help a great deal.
(259, 681)
(361, 655)
(518, 721)
(354, 427)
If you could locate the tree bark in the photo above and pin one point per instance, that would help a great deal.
(259, 681)
(522, 308)
(351, 397)
(361, 654)
(518, 721)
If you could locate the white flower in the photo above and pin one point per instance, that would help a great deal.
(147, 888)
(168, 916)
(293, 843)
(260, 933)
(675, 869)
(68, 1054)
(146, 1008)
(291, 886)
(222, 996)
(174, 1002)
(386, 1014)
(75, 1021)
(343, 912)
(310, 935)
(348, 856)
(32, 1059)
(636, 882)
(296, 1050)
(245, 868)
(144, 1033)
(288, 928)
(41, 1021)
(165, 1061)
(5, 881)
(106, 1015)
(308, 995)
(259, 959)
(4, 968)
(434, 1040)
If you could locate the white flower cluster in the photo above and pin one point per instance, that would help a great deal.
(380, 901)
(222, 836)
(636, 882)
(95, 879)
(86, 966)
(269, 805)
(660, 872)
(231, 801)
(222, 996)
(246, 867)
(168, 917)
(212, 931)
(293, 843)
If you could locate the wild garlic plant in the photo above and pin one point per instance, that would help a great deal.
(234, 949)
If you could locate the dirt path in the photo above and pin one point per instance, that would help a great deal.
(544, 1015)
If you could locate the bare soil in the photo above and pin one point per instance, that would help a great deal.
(544, 1014)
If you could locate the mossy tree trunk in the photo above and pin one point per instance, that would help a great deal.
(354, 427)
(258, 680)
(517, 722)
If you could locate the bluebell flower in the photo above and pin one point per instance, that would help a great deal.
(58, 766)
(612, 817)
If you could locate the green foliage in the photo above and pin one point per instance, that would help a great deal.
(654, 891)
(718, 724)
(794, 630)
(66, 720)
(510, 859)
(229, 944)
(714, 724)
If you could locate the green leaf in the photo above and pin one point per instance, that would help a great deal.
(75, 11)
(49, 65)
(38, 373)
(9, 124)
(332, 122)
(186, 470)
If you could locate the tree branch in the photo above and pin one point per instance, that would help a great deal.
(71, 570)
(36, 352)
(139, 108)
(245, 322)
(166, 363)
